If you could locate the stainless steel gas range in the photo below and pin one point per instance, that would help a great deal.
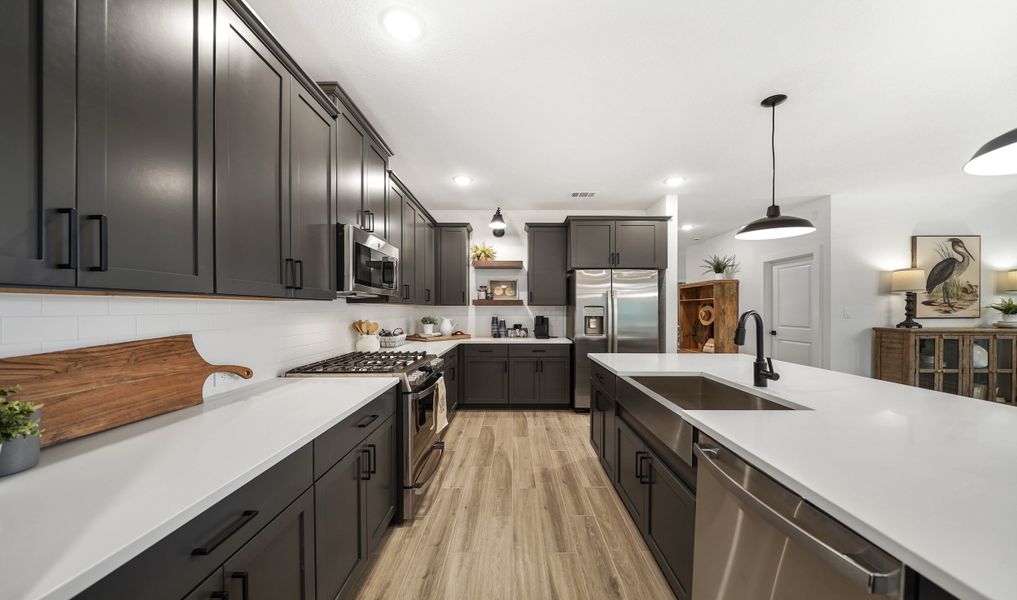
(421, 447)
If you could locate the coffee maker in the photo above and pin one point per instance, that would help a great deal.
(541, 328)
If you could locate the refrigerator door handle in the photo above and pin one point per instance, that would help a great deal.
(613, 321)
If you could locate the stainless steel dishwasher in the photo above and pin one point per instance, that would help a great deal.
(757, 539)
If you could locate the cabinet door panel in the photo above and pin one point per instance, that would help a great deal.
(427, 255)
(408, 253)
(629, 467)
(670, 525)
(351, 170)
(524, 381)
(609, 458)
(252, 158)
(381, 484)
(311, 197)
(145, 144)
(546, 267)
(420, 258)
(37, 145)
(340, 545)
(591, 244)
(640, 244)
(453, 268)
(555, 381)
(375, 187)
(279, 561)
(210, 588)
(486, 381)
(596, 420)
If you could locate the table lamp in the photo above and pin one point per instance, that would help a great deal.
(1011, 281)
(908, 282)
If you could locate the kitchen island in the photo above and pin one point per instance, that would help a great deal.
(894, 463)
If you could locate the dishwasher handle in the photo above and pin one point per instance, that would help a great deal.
(885, 583)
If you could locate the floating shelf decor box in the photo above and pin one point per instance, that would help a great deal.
(722, 295)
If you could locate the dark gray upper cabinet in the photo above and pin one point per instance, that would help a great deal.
(145, 144)
(424, 263)
(591, 244)
(609, 243)
(394, 224)
(453, 266)
(350, 164)
(37, 107)
(252, 133)
(279, 561)
(407, 252)
(312, 200)
(431, 260)
(375, 190)
(546, 264)
(640, 244)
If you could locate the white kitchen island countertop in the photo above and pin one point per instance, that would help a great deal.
(93, 504)
(929, 477)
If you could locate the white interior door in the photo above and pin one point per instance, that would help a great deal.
(794, 311)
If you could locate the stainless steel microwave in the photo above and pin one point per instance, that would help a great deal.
(368, 265)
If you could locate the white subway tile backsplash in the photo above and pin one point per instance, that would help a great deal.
(150, 325)
(22, 330)
(119, 326)
(20, 305)
(75, 305)
(8, 350)
(121, 305)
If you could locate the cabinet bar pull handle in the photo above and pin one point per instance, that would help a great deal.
(300, 280)
(206, 549)
(367, 421)
(220, 595)
(464, 297)
(243, 577)
(639, 465)
(364, 474)
(103, 242)
(372, 458)
(72, 238)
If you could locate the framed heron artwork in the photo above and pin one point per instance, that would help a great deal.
(953, 274)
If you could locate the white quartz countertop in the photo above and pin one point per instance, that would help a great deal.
(93, 504)
(440, 348)
(929, 477)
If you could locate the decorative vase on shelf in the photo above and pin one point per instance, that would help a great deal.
(446, 326)
(428, 328)
(1010, 318)
(719, 276)
(368, 343)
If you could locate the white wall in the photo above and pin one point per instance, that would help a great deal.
(872, 236)
(512, 246)
(668, 206)
(752, 257)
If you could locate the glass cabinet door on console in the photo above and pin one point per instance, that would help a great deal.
(980, 354)
(1005, 356)
(939, 363)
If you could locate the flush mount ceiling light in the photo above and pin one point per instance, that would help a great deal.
(688, 227)
(497, 224)
(674, 181)
(462, 180)
(774, 225)
(997, 157)
(401, 24)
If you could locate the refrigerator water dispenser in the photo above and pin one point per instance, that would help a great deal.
(593, 320)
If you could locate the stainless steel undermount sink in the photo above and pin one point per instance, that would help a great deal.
(700, 393)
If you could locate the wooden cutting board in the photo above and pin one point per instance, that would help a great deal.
(87, 390)
(437, 338)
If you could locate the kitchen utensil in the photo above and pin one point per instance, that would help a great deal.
(87, 390)
(372, 328)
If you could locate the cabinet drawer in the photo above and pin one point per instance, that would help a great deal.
(540, 350)
(603, 378)
(485, 350)
(332, 445)
(171, 568)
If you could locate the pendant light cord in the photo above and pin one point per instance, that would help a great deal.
(773, 155)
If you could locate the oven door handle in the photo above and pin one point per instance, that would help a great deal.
(425, 392)
(419, 487)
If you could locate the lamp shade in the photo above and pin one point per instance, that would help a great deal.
(497, 222)
(997, 157)
(907, 280)
(775, 226)
(1011, 281)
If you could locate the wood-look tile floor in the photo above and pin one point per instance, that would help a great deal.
(519, 509)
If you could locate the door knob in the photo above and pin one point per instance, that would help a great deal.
(773, 332)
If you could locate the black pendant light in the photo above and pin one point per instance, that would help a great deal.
(774, 225)
(997, 157)
(497, 224)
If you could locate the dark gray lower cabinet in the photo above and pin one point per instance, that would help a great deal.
(523, 374)
(602, 427)
(340, 545)
(453, 382)
(487, 381)
(211, 589)
(631, 456)
(555, 381)
(670, 523)
(278, 562)
(524, 380)
(382, 493)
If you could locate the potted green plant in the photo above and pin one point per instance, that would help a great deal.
(19, 432)
(428, 322)
(1008, 308)
(720, 266)
(482, 252)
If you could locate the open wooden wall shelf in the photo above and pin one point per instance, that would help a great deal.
(722, 294)
(497, 264)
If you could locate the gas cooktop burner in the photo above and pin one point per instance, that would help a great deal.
(365, 362)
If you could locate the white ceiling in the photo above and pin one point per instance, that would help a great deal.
(538, 98)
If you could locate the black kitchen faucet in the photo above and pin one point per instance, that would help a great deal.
(762, 369)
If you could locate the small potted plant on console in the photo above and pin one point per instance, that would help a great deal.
(1008, 308)
(20, 433)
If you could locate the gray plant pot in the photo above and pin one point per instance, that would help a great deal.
(20, 454)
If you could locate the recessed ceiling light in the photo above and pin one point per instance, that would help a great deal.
(674, 181)
(401, 24)
(688, 227)
(462, 180)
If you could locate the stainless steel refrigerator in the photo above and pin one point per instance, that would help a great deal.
(611, 310)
